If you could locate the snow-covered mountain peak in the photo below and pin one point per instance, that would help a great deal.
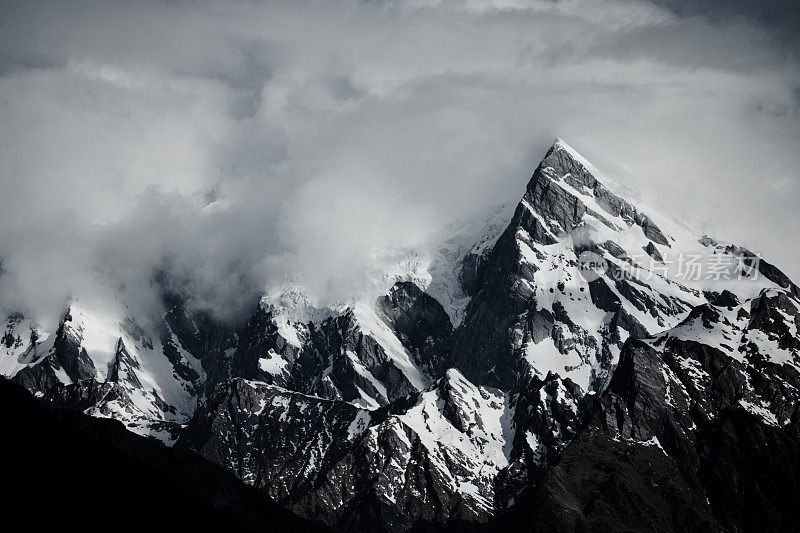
(560, 145)
(294, 303)
(454, 374)
(579, 270)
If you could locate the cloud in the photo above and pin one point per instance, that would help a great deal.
(779, 18)
(235, 144)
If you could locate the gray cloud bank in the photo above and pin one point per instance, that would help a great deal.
(233, 144)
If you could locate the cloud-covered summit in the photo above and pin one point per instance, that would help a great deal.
(233, 144)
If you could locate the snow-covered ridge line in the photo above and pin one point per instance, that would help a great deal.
(461, 381)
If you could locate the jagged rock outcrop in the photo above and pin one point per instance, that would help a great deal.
(65, 355)
(530, 279)
(194, 335)
(263, 353)
(694, 433)
(421, 324)
(768, 270)
(454, 452)
(111, 366)
(367, 354)
(653, 252)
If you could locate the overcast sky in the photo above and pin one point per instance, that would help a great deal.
(233, 143)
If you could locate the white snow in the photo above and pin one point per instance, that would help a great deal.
(359, 424)
(372, 325)
(452, 243)
(761, 411)
(98, 331)
(273, 364)
(482, 448)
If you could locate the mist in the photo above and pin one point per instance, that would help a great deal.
(237, 145)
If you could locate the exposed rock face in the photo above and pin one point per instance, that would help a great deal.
(66, 355)
(349, 471)
(653, 252)
(111, 367)
(255, 429)
(118, 401)
(188, 336)
(602, 484)
(260, 339)
(768, 270)
(362, 369)
(452, 452)
(563, 206)
(367, 356)
(124, 367)
(421, 324)
(695, 434)
(526, 289)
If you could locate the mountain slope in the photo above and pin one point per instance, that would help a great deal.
(698, 429)
(451, 452)
(67, 466)
(109, 365)
(533, 307)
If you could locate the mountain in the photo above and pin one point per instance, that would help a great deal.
(698, 429)
(576, 362)
(433, 456)
(103, 362)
